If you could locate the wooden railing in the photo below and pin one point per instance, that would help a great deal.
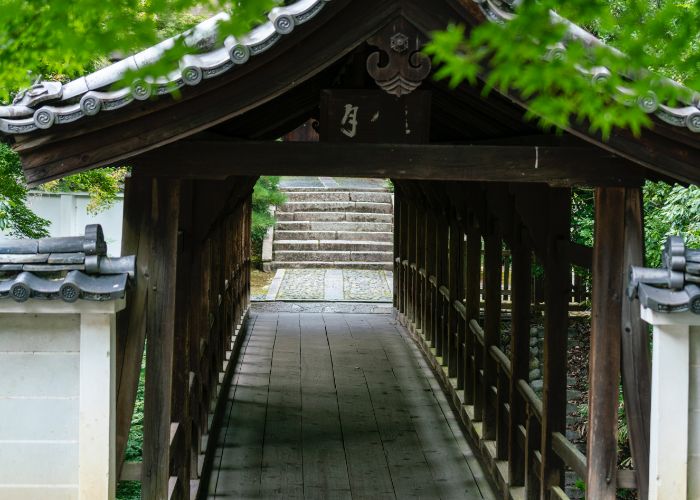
(450, 298)
(191, 302)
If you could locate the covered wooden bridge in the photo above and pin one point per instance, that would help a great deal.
(469, 174)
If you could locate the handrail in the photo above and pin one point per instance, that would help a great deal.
(433, 280)
(531, 398)
(460, 308)
(476, 330)
(571, 455)
(444, 291)
(501, 359)
(413, 266)
(404, 262)
(421, 271)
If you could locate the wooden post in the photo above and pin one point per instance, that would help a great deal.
(604, 363)
(442, 273)
(453, 283)
(520, 351)
(636, 365)
(131, 323)
(404, 254)
(429, 298)
(160, 322)
(473, 286)
(493, 247)
(557, 269)
(398, 283)
(180, 414)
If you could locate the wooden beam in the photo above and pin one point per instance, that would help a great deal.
(164, 215)
(636, 358)
(555, 165)
(606, 321)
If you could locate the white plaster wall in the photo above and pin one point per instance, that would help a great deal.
(68, 215)
(694, 416)
(39, 406)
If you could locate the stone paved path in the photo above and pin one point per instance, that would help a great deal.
(344, 285)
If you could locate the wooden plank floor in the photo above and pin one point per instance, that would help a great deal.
(338, 406)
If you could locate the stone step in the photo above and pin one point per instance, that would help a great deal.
(333, 217)
(333, 226)
(338, 206)
(319, 196)
(326, 245)
(384, 236)
(332, 256)
(386, 266)
(318, 189)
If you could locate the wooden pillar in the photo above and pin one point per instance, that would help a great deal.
(557, 274)
(405, 209)
(398, 218)
(636, 364)
(442, 274)
(473, 291)
(160, 323)
(428, 295)
(521, 287)
(180, 411)
(453, 283)
(131, 323)
(493, 258)
(604, 362)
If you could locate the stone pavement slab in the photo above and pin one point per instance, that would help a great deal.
(343, 285)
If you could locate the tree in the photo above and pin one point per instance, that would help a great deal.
(64, 38)
(581, 80)
(266, 193)
(15, 217)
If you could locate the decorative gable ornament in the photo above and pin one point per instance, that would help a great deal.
(406, 67)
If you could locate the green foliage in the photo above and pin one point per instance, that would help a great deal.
(131, 490)
(582, 216)
(63, 38)
(103, 185)
(15, 217)
(266, 194)
(658, 35)
(669, 210)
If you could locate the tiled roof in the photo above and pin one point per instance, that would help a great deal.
(46, 104)
(85, 271)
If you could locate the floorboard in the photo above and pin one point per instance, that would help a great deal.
(338, 406)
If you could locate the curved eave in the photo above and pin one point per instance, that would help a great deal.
(93, 94)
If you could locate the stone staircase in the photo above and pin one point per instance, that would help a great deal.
(334, 227)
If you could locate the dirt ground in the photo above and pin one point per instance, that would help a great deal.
(260, 282)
